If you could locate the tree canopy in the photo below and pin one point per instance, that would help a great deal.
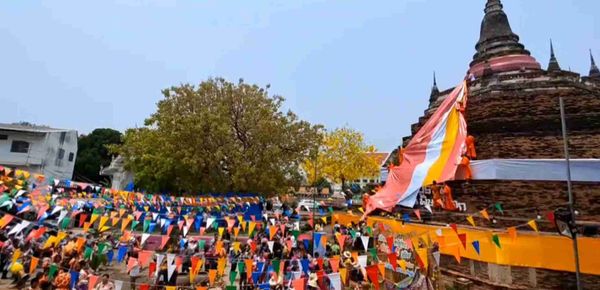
(342, 155)
(92, 153)
(218, 137)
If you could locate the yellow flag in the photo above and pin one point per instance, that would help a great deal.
(86, 226)
(244, 226)
(343, 275)
(251, 226)
(93, 218)
(361, 209)
(240, 219)
(171, 287)
(236, 231)
(402, 265)
(221, 265)
(61, 236)
(533, 225)
(115, 221)
(484, 213)
(236, 246)
(471, 220)
(103, 221)
(221, 229)
(422, 252)
(16, 254)
(324, 219)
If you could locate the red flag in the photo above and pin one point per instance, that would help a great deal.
(334, 262)
(463, 240)
(550, 217)
(393, 260)
(454, 227)
(418, 214)
(144, 287)
(373, 276)
(151, 269)
(390, 241)
(82, 218)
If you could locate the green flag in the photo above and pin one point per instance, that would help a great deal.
(331, 209)
(370, 231)
(232, 275)
(353, 234)
(231, 287)
(296, 233)
(146, 225)
(496, 240)
(201, 244)
(373, 252)
(499, 207)
(101, 247)
(276, 264)
(87, 253)
(65, 223)
(134, 224)
(52, 271)
(241, 267)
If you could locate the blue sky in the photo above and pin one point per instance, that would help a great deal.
(364, 64)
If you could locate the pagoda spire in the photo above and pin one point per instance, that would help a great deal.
(496, 38)
(594, 71)
(553, 64)
(434, 90)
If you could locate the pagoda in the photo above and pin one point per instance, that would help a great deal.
(513, 113)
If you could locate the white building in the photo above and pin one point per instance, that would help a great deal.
(38, 149)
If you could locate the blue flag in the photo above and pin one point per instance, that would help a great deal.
(259, 266)
(476, 246)
(306, 244)
(255, 276)
(121, 254)
(74, 278)
(317, 240)
(406, 217)
(304, 263)
(109, 255)
(151, 227)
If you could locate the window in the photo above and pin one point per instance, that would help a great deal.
(19, 146)
(372, 181)
(71, 157)
(63, 135)
(61, 154)
(3, 137)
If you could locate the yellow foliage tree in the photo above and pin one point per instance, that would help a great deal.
(342, 156)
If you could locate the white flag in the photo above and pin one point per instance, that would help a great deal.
(56, 209)
(209, 221)
(170, 265)
(159, 259)
(436, 257)
(365, 242)
(270, 244)
(362, 261)
(118, 284)
(335, 280)
(145, 237)
(185, 230)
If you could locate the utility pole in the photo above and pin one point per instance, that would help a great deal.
(315, 199)
(570, 192)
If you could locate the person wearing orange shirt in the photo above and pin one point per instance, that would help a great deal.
(470, 144)
(465, 163)
(437, 197)
(448, 200)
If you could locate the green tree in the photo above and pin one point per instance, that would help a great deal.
(93, 152)
(341, 157)
(218, 137)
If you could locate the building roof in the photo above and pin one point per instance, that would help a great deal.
(380, 157)
(30, 128)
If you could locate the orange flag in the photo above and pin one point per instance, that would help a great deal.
(164, 241)
(212, 274)
(249, 267)
(457, 254)
(512, 232)
(236, 231)
(298, 284)
(485, 214)
(272, 232)
(33, 264)
(334, 262)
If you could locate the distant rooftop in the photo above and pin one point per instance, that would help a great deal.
(25, 127)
